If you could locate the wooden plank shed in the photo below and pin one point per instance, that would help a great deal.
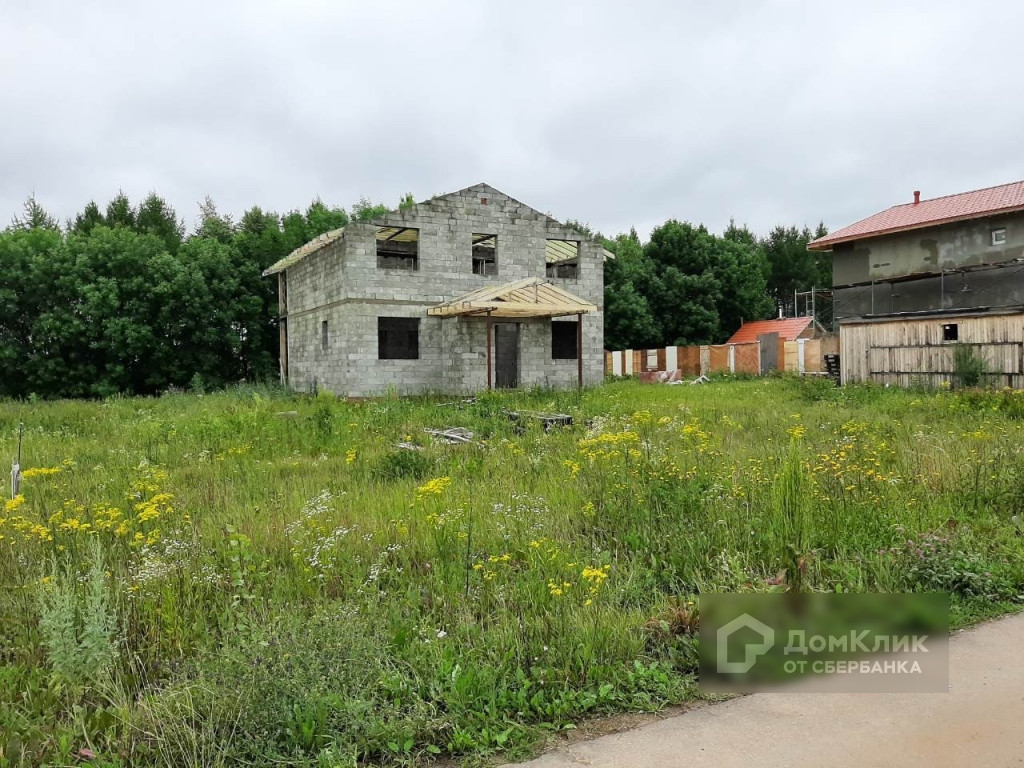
(917, 349)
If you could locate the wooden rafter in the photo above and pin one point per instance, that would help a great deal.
(532, 297)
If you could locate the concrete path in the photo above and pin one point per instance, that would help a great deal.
(979, 723)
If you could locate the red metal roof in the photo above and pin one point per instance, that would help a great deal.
(788, 328)
(928, 213)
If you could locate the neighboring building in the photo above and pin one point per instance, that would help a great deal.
(788, 329)
(913, 281)
(456, 294)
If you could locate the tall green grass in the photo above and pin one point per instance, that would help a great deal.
(254, 576)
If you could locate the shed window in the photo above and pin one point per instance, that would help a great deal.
(398, 338)
(950, 332)
(564, 335)
(398, 248)
(485, 254)
(323, 335)
(999, 236)
(562, 258)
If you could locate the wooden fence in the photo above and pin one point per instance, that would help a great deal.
(804, 356)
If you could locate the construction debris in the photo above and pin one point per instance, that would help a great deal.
(458, 404)
(663, 377)
(452, 435)
(549, 420)
(702, 379)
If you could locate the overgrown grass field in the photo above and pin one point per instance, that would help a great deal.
(256, 577)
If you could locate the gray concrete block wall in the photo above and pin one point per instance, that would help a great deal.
(465, 341)
(368, 375)
(317, 280)
(343, 284)
(446, 225)
(309, 365)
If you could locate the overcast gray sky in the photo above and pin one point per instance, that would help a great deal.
(613, 113)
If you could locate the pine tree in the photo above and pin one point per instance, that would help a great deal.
(34, 216)
(120, 213)
(90, 218)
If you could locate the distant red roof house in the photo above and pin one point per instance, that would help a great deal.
(929, 213)
(788, 328)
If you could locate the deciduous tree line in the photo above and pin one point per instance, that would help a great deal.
(125, 300)
(689, 286)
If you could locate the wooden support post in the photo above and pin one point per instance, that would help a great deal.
(283, 332)
(579, 349)
(489, 365)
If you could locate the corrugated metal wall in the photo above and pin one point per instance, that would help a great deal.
(906, 352)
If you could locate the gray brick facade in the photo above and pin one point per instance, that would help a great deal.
(342, 284)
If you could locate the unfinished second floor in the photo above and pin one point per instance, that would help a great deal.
(433, 251)
(930, 251)
(957, 252)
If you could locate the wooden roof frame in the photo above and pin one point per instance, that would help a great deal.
(532, 297)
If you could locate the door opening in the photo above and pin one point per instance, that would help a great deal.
(506, 355)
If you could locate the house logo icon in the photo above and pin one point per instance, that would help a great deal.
(751, 651)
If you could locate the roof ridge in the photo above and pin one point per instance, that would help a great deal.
(955, 194)
(978, 203)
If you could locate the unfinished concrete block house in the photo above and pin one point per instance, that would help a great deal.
(463, 292)
(913, 281)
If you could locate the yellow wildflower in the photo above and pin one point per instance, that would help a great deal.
(39, 472)
(434, 487)
(13, 504)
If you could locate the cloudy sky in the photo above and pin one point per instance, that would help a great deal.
(613, 113)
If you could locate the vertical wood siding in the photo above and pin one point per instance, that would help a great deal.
(912, 351)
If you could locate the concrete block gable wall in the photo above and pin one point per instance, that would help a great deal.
(343, 285)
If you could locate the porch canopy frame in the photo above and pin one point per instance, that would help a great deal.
(533, 297)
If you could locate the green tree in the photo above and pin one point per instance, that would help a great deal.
(210, 335)
(34, 216)
(295, 231)
(126, 302)
(742, 270)
(120, 212)
(156, 217)
(321, 218)
(740, 234)
(213, 224)
(702, 286)
(259, 242)
(628, 322)
(90, 217)
(125, 307)
(24, 251)
(366, 210)
(792, 267)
